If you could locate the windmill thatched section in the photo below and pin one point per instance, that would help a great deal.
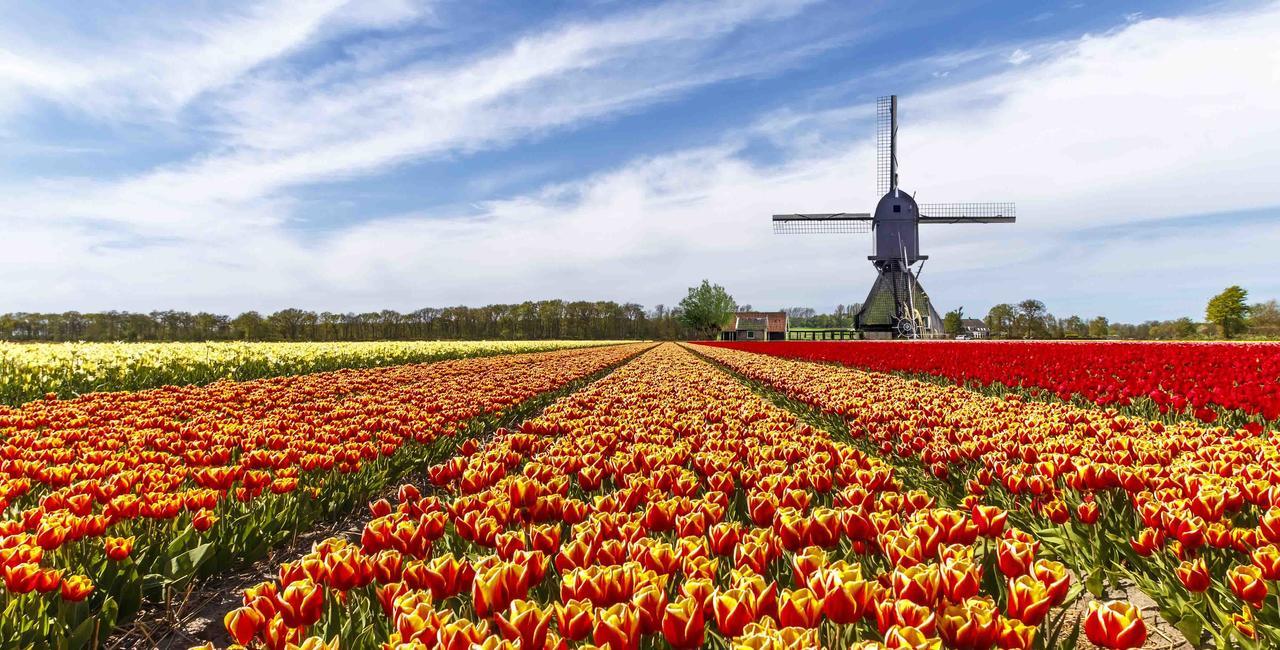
(895, 293)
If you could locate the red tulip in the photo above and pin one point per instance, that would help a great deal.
(1116, 625)
(683, 625)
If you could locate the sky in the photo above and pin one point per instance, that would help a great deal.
(355, 156)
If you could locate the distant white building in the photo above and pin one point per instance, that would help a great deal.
(975, 328)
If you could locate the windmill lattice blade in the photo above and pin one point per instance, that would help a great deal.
(834, 223)
(884, 144)
(967, 213)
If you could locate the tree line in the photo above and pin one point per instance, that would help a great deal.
(531, 320)
(1227, 315)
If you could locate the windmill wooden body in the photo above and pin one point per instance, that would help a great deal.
(897, 306)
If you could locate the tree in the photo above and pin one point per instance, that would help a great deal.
(1000, 320)
(1099, 327)
(1074, 327)
(706, 309)
(1228, 310)
(249, 326)
(1264, 319)
(953, 322)
(1029, 319)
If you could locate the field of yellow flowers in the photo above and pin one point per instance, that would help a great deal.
(639, 496)
(33, 370)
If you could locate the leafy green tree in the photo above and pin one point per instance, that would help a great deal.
(1000, 320)
(706, 309)
(1074, 327)
(1029, 319)
(1228, 310)
(1100, 327)
(953, 321)
(1264, 319)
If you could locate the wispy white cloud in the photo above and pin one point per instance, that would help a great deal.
(286, 131)
(147, 66)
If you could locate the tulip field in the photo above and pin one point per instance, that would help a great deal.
(658, 496)
(33, 370)
(115, 497)
(1201, 380)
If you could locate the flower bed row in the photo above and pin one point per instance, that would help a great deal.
(1204, 380)
(667, 505)
(116, 496)
(1188, 512)
(33, 370)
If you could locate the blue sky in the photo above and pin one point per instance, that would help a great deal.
(397, 154)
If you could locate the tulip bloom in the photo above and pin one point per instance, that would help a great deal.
(1147, 541)
(204, 520)
(901, 637)
(973, 624)
(918, 584)
(990, 520)
(574, 619)
(243, 624)
(1055, 578)
(734, 609)
(1267, 559)
(1194, 575)
(683, 623)
(461, 634)
(1016, 635)
(76, 588)
(617, 628)
(495, 586)
(799, 608)
(649, 603)
(1088, 512)
(960, 579)
(1015, 557)
(525, 622)
(118, 548)
(301, 603)
(1118, 625)
(1247, 583)
(806, 562)
(1029, 600)
(1269, 524)
(848, 596)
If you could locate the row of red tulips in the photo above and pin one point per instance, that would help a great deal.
(1204, 380)
(667, 505)
(1188, 512)
(115, 496)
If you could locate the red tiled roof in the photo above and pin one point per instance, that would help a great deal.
(775, 321)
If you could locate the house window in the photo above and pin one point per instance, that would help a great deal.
(751, 334)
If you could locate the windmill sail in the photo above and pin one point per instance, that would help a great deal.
(968, 213)
(825, 223)
(886, 144)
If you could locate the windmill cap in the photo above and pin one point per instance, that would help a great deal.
(907, 208)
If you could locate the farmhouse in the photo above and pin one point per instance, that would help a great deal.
(756, 326)
(975, 328)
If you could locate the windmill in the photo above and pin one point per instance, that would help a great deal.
(897, 305)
